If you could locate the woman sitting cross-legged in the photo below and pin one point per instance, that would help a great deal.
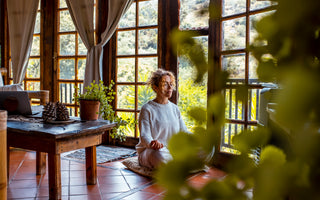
(159, 119)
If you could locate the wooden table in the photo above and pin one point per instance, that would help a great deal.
(55, 139)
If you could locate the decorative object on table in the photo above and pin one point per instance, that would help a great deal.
(96, 93)
(49, 112)
(56, 113)
(62, 112)
(104, 95)
(105, 153)
(89, 109)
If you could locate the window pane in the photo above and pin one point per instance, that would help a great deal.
(129, 130)
(67, 67)
(146, 66)
(145, 93)
(37, 24)
(33, 69)
(66, 92)
(80, 86)
(190, 16)
(81, 68)
(234, 108)
(62, 4)
(191, 94)
(125, 96)
(235, 65)
(67, 44)
(230, 130)
(129, 18)
(253, 20)
(148, 13)
(253, 104)
(126, 70)
(234, 34)
(256, 4)
(148, 40)
(33, 86)
(71, 111)
(82, 49)
(35, 48)
(253, 65)
(126, 43)
(66, 23)
(231, 7)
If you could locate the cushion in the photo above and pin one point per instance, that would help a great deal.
(132, 163)
(13, 87)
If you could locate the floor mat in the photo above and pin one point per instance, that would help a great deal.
(105, 153)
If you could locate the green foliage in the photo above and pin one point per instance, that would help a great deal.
(287, 50)
(192, 50)
(191, 95)
(105, 95)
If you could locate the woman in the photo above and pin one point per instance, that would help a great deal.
(159, 119)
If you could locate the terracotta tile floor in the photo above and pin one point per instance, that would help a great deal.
(115, 181)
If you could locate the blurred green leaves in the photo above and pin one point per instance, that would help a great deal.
(185, 45)
(287, 51)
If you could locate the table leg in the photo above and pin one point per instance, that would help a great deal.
(41, 161)
(54, 169)
(91, 165)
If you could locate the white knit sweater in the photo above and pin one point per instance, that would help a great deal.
(158, 122)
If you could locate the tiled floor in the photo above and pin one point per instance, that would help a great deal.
(115, 181)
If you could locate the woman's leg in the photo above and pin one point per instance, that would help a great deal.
(153, 158)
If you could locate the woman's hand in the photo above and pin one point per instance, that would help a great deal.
(155, 144)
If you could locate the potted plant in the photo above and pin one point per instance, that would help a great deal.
(95, 103)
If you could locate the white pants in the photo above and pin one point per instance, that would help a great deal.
(153, 158)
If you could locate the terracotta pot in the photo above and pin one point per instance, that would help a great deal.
(3, 154)
(89, 109)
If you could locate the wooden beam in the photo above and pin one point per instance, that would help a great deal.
(47, 58)
(168, 20)
(5, 41)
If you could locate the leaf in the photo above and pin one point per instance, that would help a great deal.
(198, 114)
(172, 175)
(272, 156)
(242, 93)
(251, 139)
(267, 71)
(216, 109)
(183, 146)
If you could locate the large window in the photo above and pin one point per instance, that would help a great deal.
(136, 57)
(237, 34)
(71, 58)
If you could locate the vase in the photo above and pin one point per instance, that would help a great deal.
(89, 109)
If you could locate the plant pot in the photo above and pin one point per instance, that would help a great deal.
(89, 109)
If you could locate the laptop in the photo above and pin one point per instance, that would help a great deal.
(16, 103)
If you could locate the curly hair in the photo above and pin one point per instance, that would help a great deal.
(156, 76)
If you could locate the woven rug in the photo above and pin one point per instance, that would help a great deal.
(104, 154)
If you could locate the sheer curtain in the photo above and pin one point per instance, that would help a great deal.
(21, 18)
(1, 81)
(82, 15)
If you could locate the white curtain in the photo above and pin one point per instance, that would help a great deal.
(82, 15)
(21, 17)
(1, 81)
